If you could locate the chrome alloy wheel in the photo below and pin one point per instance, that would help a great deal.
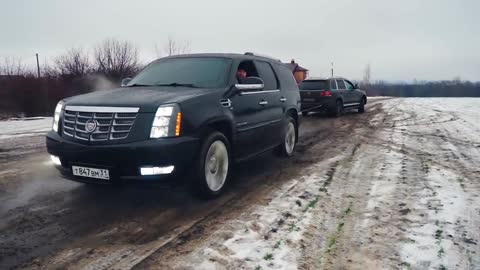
(216, 165)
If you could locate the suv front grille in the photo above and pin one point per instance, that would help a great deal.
(111, 123)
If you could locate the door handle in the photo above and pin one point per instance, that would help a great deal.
(263, 102)
(226, 103)
(283, 99)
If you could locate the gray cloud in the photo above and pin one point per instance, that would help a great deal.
(402, 40)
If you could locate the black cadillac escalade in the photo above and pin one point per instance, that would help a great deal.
(189, 115)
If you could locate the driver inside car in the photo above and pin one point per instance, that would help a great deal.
(241, 74)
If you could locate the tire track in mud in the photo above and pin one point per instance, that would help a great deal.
(441, 135)
(334, 238)
(331, 215)
(312, 142)
(461, 232)
(450, 163)
(186, 241)
(401, 179)
(431, 224)
(341, 250)
(370, 231)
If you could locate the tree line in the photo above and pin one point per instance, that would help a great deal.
(445, 88)
(76, 71)
(450, 88)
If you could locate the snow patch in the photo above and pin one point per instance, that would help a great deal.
(22, 127)
(432, 244)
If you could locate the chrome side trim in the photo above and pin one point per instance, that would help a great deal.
(259, 92)
(242, 124)
(258, 125)
(314, 90)
(249, 86)
(102, 109)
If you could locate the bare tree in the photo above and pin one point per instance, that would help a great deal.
(367, 73)
(116, 59)
(74, 63)
(13, 66)
(173, 47)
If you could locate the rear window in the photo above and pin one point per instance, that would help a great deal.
(314, 85)
(266, 73)
(286, 78)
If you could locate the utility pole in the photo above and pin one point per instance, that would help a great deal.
(47, 107)
(332, 69)
(38, 66)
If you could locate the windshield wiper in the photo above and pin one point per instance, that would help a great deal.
(179, 84)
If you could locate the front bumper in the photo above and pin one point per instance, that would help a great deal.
(124, 160)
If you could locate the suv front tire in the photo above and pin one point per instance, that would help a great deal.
(361, 107)
(213, 166)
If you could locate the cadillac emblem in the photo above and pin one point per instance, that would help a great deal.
(90, 125)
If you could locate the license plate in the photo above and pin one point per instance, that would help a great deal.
(308, 99)
(91, 172)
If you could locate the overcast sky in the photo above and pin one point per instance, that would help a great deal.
(401, 40)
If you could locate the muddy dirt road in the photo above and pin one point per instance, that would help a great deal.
(395, 187)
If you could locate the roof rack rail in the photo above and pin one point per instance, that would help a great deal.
(316, 78)
(262, 55)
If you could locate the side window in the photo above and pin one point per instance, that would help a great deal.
(286, 78)
(349, 85)
(341, 84)
(333, 85)
(268, 76)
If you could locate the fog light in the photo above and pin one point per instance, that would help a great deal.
(156, 170)
(56, 160)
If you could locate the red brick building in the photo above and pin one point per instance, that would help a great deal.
(300, 73)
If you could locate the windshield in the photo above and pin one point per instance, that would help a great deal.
(314, 85)
(202, 72)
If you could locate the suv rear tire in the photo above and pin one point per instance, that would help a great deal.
(212, 166)
(338, 110)
(290, 139)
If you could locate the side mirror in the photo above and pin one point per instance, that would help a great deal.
(125, 82)
(250, 84)
(356, 86)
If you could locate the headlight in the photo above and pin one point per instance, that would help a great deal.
(56, 116)
(167, 122)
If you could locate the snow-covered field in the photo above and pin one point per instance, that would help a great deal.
(407, 196)
(21, 127)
